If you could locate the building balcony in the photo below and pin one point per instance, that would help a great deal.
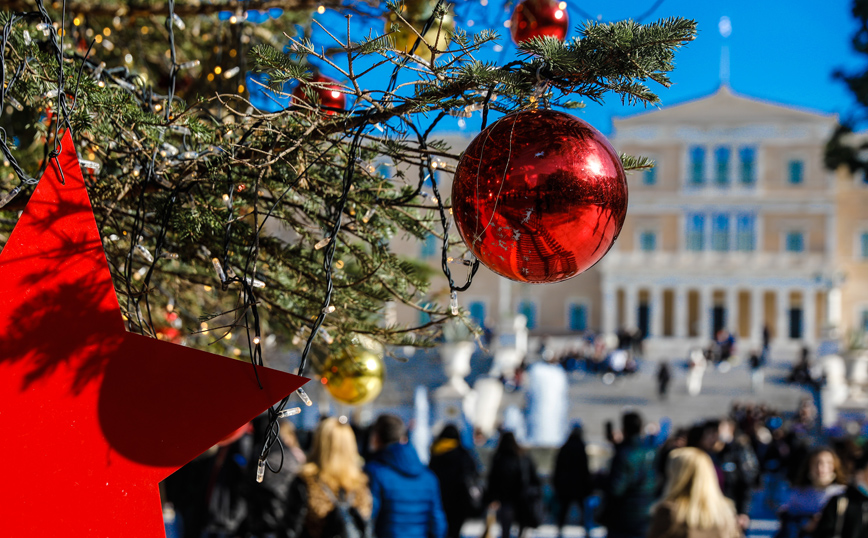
(716, 263)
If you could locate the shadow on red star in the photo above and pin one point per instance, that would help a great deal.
(94, 417)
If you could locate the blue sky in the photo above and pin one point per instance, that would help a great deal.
(778, 51)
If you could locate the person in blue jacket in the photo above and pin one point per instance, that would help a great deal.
(406, 494)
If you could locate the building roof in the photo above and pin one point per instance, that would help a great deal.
(724, 107)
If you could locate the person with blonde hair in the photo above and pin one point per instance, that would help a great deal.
(331, 490)
(693, 506)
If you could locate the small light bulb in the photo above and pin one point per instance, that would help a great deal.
(218, 70)
(207, 288)
(453, 302)
(233, 19)
(320, 10)
(289, 412)
(368, 214)
(218, 268)
(256, 340)
(562, 5)
(304, 397)
(323, 242)
(260, 468)
(146, 254)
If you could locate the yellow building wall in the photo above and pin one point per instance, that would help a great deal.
(776, 225)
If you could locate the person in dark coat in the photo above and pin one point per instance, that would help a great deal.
(632, 483)
(844, 515)
(572, 478)
(267, 500)
(664, 376)
(459, 479)
(406, 494)
(511, 478)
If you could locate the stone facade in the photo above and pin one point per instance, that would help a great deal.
(739, 226)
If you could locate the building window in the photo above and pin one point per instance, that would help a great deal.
(429, 247)
(477, 312)
(578, 317)
(863, 245)
(649, 176)
(745, 233)
(697, 165)
(695, 239)
(720, 232)
(648, 241)
(796, 170)
(721, 166)
(528, 309)
(747, 159)
(795, 242)
(796, 321)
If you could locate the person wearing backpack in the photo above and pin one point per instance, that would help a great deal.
(330, 497)
(406, 493)
(460, 486)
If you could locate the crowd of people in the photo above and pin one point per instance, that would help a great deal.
(698, 481)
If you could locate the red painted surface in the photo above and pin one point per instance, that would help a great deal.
(93, 417)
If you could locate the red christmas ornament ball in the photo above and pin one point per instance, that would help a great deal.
(330, 96)
(539, 196)
(533, 18)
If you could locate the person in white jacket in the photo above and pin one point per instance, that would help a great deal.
(696, 369)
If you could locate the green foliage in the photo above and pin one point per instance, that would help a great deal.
(213, 181)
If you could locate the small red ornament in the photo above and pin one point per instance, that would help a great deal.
(330, 97)
(539, 196)
(533, 18)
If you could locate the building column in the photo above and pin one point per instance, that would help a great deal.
(656, 312)
(680, 312)
(757, 316)
(610, 308)
(631, 306)
(732, 313)
(833, 307)
(809, 315)
(706, 295)
(782, 299)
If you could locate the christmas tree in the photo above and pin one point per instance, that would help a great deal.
(845, 148)
(267, 225)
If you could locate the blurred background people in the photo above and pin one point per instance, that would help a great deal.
(693, 504)
(460, 488)
(513, 487)
(406, 494)
(330, 496)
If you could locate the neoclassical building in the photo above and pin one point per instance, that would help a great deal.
(739, 226)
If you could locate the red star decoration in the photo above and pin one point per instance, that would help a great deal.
(94, 417)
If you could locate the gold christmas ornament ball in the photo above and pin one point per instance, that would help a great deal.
(438, 36)
(354, 376)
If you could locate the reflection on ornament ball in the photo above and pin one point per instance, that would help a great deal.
(539, 196)
(536, 18)
(330, 96)
(438, 36)
(354, 376)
